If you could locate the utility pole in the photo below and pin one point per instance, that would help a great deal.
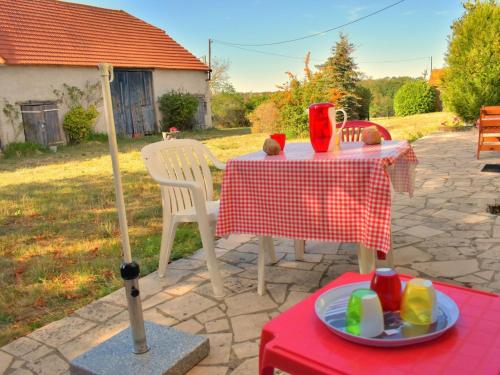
(431, 66)
(209, 59)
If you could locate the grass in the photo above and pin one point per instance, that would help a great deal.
(59, 240)
(416, 126)
(13, 150)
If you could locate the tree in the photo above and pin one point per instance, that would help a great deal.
(383, 91)
(414, 97)
(472, 75)
(339, 77)
(219, 78)
(254, 99)
(265, 118)
(365, 97)
(335, 81)
(229, 110)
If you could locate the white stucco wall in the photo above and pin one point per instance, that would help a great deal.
(20, 84)
(193, 82)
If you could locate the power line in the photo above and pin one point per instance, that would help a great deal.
(395, 61)
(318, 60)
(311, 35)
(265, 52)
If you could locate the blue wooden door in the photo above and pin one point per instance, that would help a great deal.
(133, 105)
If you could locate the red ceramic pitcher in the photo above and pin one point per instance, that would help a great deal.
(322, 129)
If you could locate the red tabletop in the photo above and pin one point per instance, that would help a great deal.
(339, 197)
(298, 342)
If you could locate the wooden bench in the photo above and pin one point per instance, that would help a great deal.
(489, 129)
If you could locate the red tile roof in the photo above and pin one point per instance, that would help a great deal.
(51, 32)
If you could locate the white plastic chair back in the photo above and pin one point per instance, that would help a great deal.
(181, 160)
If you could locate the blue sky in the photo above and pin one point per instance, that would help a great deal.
(414, 29)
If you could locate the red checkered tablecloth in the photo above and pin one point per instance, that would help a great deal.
(338, 197)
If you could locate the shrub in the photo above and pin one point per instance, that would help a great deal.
(16, 149)
(414, 97)
(383, 91)
(177, 109)
(265, 118)
(472, 77)
(228, 110)
(78, 123)
(254, 99)
(97, 137)
(295, 120)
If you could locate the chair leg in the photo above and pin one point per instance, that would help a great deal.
(167, 240)
(261, 267)
(269, 249)
(300, 246)
(478, 144)
(209, 248)
(366, 259)
(213, 225)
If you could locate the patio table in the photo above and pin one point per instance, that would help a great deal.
(339, 197)
(298, 342)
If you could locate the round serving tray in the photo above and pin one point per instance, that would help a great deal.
(331, 307)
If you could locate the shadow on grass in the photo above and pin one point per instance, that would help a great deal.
(60, 245)
(94, 149)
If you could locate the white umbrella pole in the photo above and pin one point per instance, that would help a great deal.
(129, 269)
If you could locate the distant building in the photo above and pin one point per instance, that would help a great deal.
(435, 81)
(45, 44)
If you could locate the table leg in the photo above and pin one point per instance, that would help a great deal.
(389, 258)
(269, 249)
(261, 266)
(366, 259)
(300, 246)
(390, 255)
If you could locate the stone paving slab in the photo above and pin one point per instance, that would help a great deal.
(443, 233)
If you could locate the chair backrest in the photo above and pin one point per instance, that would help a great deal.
(489, 116)
(353, 128)
(181, 160)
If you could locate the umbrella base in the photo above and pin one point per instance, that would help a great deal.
(172, 352)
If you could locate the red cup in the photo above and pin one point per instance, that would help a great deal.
(280, 138)
(385, 282)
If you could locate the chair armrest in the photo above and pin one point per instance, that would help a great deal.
(176, 183)
(199, 201)
(217, 163)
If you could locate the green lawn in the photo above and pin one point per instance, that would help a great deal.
(59, 241)
(416, 126)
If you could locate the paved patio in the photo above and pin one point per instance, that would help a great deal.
(443, 232)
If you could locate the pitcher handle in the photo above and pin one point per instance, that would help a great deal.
(345, 117)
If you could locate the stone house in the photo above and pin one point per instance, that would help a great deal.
(46, 45)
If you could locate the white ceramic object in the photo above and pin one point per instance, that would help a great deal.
(372, 323)
(338, 298)
(336, 133)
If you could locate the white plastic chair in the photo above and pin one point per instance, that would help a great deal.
(181, 169)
